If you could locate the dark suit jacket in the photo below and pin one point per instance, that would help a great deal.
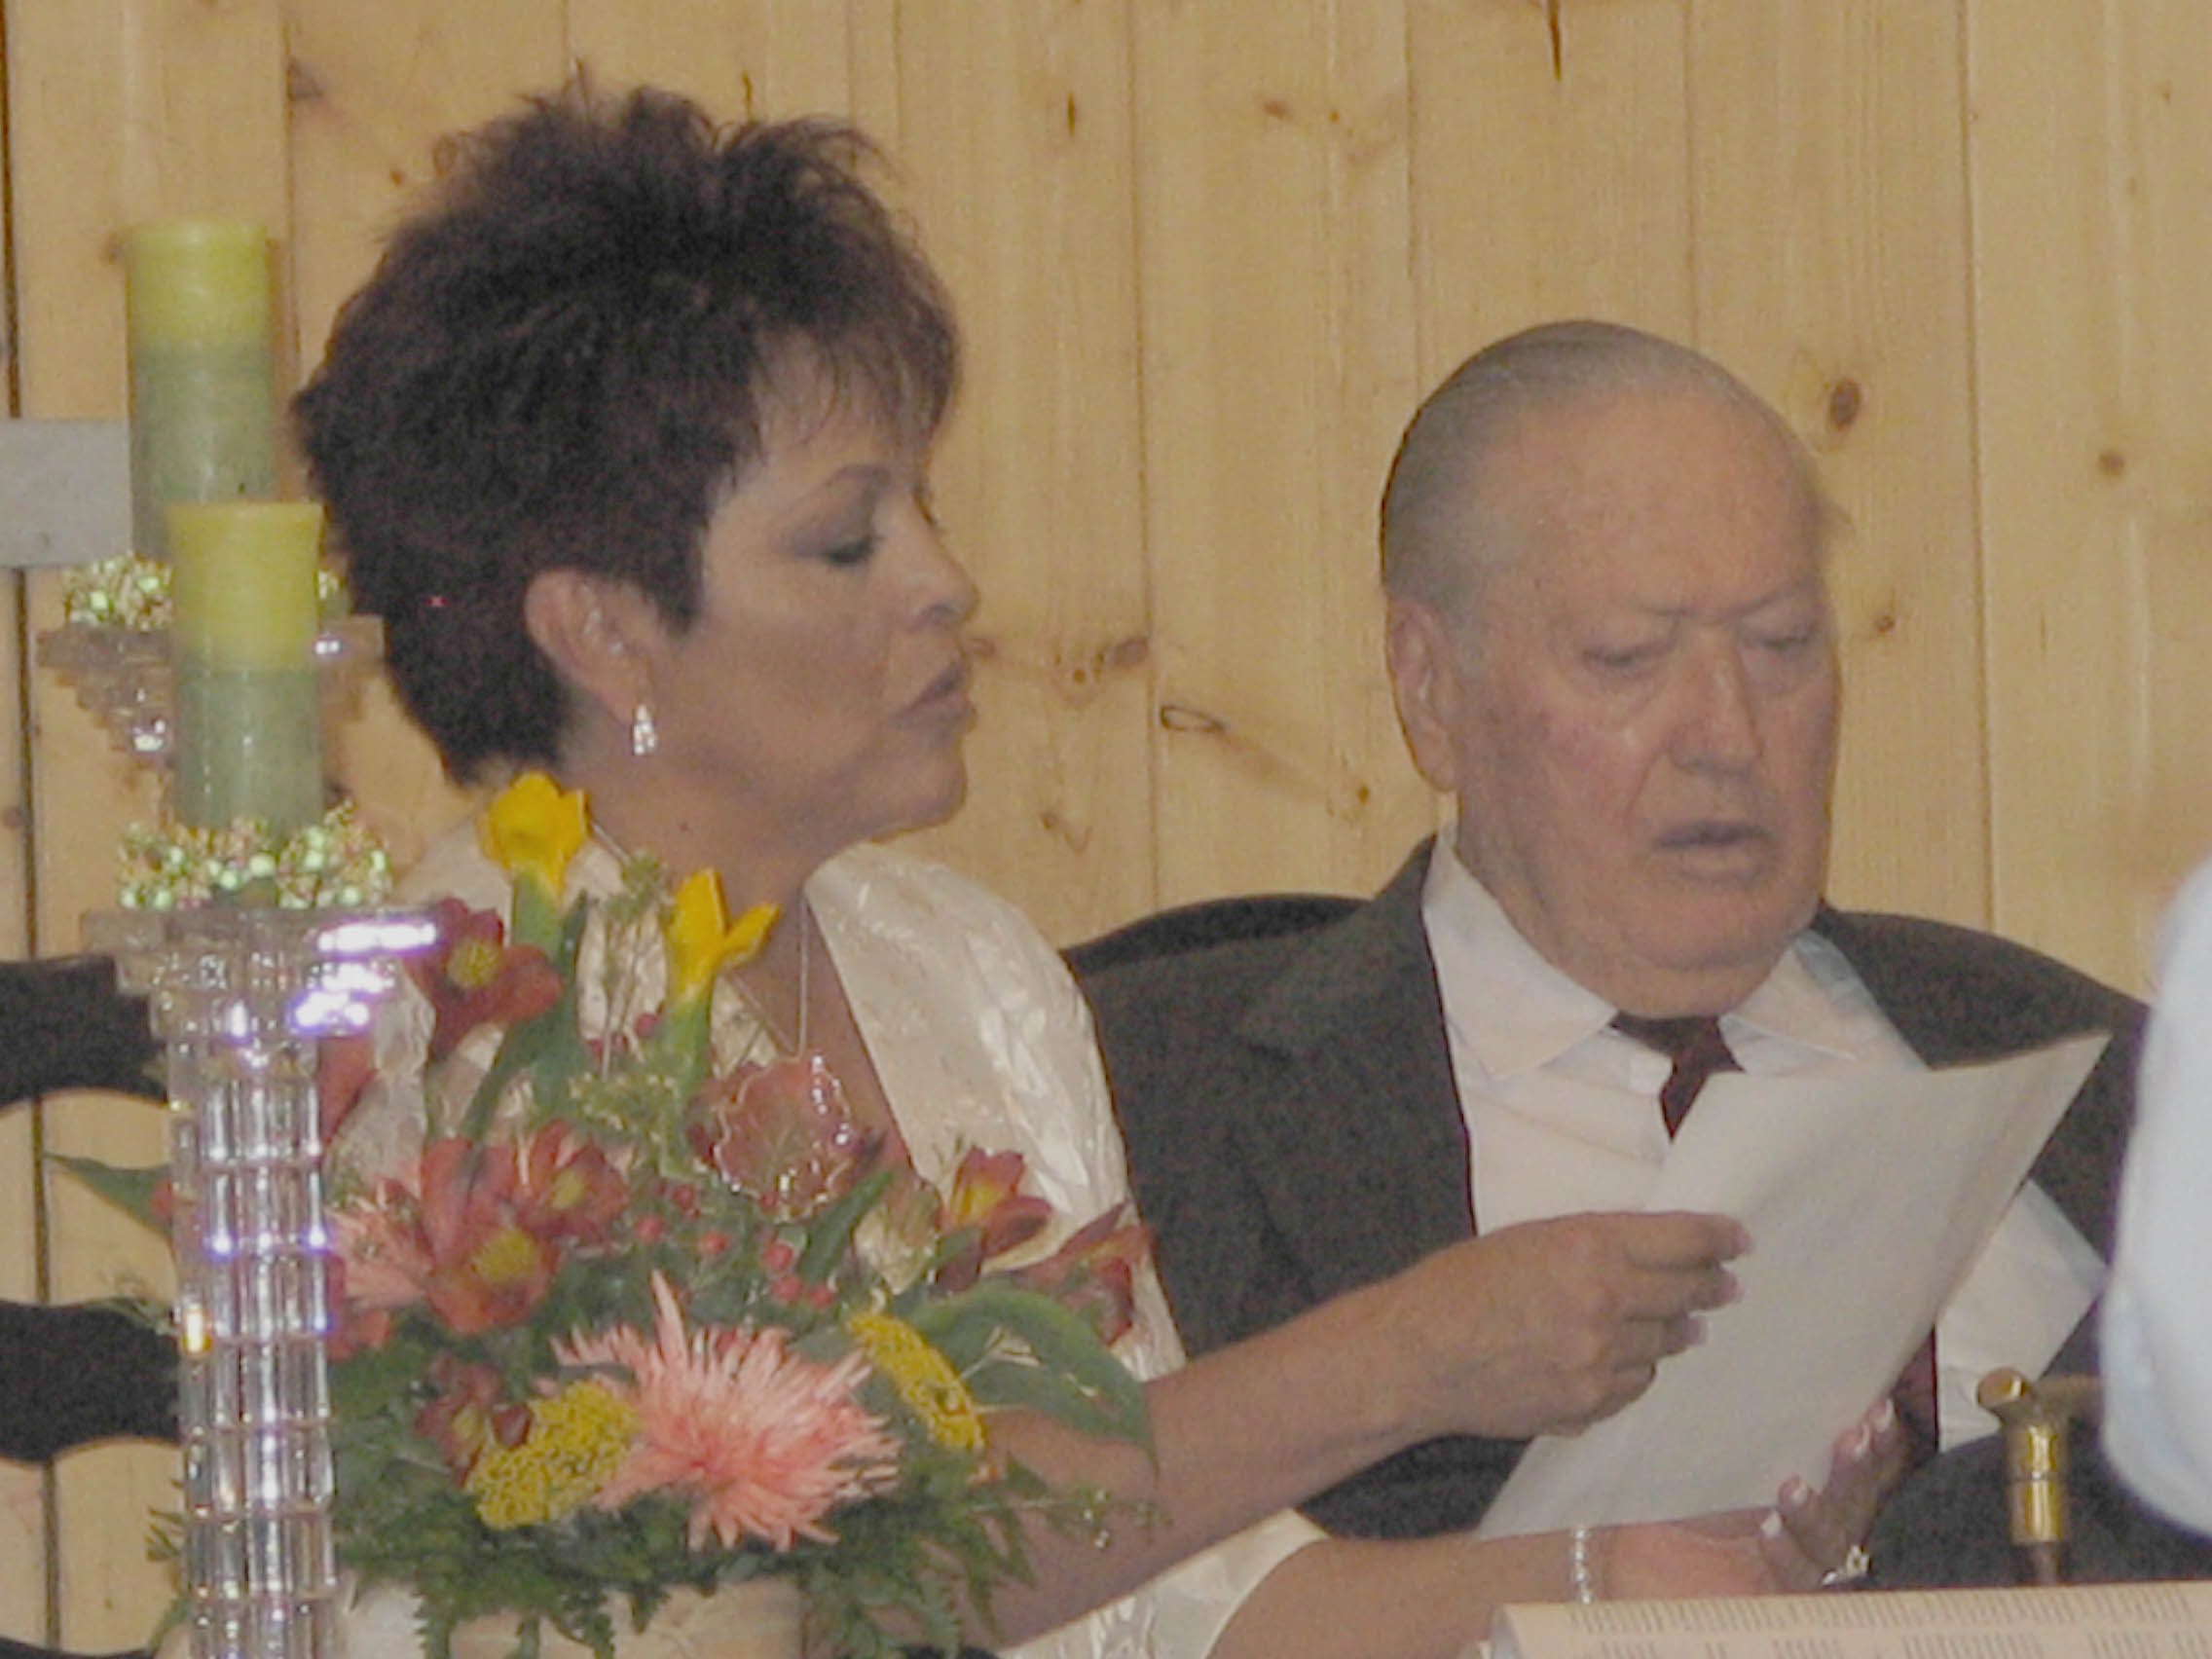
(1294, 1130)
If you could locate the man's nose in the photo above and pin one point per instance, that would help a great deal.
(1720, 725)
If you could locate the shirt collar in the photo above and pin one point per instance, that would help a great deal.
(1515, 1012)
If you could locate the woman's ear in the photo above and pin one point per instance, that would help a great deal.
(595, 634)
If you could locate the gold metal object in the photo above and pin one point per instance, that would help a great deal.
(2035, 1418)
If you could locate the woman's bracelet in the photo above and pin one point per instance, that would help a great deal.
(1581, 1571)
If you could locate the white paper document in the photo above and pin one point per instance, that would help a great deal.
(2105, 1621)
(1866, 1210)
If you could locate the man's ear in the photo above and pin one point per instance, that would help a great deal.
(1427, 681)
(595, 634)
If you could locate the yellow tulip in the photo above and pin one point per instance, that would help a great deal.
(534, 827)
(702, 940)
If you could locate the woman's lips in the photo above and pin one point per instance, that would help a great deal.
(945, 696)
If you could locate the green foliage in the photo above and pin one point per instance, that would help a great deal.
(1018, 1348)
(130, 1190)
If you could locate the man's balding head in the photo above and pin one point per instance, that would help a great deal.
(1438, 535)
(1609, 641)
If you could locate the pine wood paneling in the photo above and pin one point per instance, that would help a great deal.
(372, 91)
(1548, 186)
(1829, 206)
(1023, 201)
(2092, 201)
(761, 58)
(1278, 352)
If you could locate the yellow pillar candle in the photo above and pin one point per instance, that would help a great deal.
(247, 741)
(203, 395)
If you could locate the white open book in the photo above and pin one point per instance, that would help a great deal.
(2105, 1621)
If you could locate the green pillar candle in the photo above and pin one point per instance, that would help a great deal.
(247, 741)
(202, 392)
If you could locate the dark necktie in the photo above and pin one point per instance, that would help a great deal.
(1693, 1041)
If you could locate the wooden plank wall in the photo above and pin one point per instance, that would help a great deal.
(1210, 254)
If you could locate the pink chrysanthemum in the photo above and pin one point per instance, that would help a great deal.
(767, 1443)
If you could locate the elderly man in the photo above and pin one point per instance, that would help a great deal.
(1610, 639)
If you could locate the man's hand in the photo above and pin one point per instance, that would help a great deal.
(1547, 1327)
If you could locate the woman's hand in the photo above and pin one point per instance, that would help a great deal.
(1795, 1546)
(1815, 1533)
(1545, 1327)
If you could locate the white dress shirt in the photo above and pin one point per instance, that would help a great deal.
(2158, 1319)
(1563, 1116)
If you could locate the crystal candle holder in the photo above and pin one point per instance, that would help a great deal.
(126, 677)
(240, 998)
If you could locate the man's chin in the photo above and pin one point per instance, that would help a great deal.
(1702, 942)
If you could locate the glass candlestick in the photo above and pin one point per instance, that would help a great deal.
(240, 998)
(123, 676)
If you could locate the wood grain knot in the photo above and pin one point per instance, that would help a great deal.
(1130, 653)
(1176, 717)
(1844, 402)
(1073, 836)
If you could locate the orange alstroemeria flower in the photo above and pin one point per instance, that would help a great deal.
(1094, 1272)
(987, 1196)
(488, 1268)
(478, 1233)
(467, 1414)
(475, 978)
(344, 1065)
(568, 1190)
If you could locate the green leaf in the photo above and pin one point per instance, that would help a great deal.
(833, 1229)
(682, 1046)
(535, 917)
(525, 1045)
(970, 1330)
(129, 1190)
(1031, 1387)
(363, 1384)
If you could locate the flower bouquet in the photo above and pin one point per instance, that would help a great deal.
(647, 1320)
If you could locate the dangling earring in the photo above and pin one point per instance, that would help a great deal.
(645, 736)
